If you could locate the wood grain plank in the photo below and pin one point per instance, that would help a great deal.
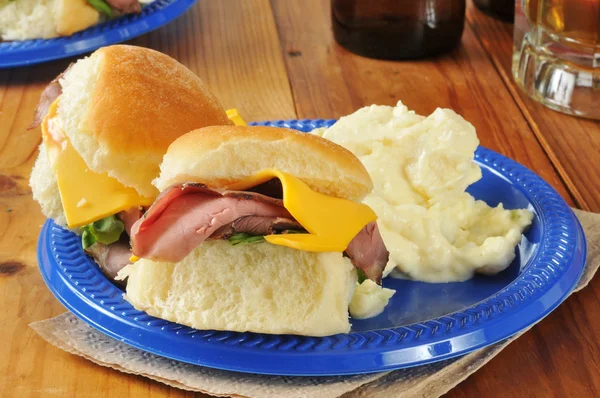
(22, 292)
(563, 360)
(234, 48)
(339, 82)
(559, 356)
(573, 144)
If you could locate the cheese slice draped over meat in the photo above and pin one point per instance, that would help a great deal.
(185, 215)
(331, 222)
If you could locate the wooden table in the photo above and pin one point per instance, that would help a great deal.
(278, 60)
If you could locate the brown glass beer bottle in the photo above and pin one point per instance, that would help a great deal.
(501, 9)
(398, 29)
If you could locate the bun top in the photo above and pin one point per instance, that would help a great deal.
(123, 106)
(220, 156)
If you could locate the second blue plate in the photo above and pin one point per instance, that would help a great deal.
(423, 323)
(153, 16)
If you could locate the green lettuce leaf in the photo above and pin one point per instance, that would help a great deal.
(107, 230)
(244, 238)
(102, 7)
(87, 239)
(361, 276)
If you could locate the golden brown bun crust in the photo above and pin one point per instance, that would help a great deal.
(220, 156)
(143, 100)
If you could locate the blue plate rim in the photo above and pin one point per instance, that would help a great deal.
(35, 51)
(378, 351)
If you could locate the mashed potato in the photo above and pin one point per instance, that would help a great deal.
(421, 167)
(369, 300)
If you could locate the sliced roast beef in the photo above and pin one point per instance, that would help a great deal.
(111, 258)
(125, 6)
(184, 216)
(129, 217)
(167, 196)
(368, 253)
(52, 91)
(270, 188)
(256, 225)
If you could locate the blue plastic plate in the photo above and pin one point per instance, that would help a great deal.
(423, 322)
(153, 16)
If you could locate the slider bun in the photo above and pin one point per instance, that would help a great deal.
(219, 156)
(257, 287)
(122, 106)
(32, 19)
(45, 189)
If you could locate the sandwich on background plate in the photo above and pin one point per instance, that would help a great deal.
(257, 229)
(106, 123)
(45, 19)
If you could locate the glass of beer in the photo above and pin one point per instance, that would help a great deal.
(557, 55)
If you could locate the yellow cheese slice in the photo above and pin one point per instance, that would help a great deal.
(331, 222)
(235, 117)
(86, 196)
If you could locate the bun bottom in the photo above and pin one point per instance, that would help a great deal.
(45, 189)
(257, 287)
